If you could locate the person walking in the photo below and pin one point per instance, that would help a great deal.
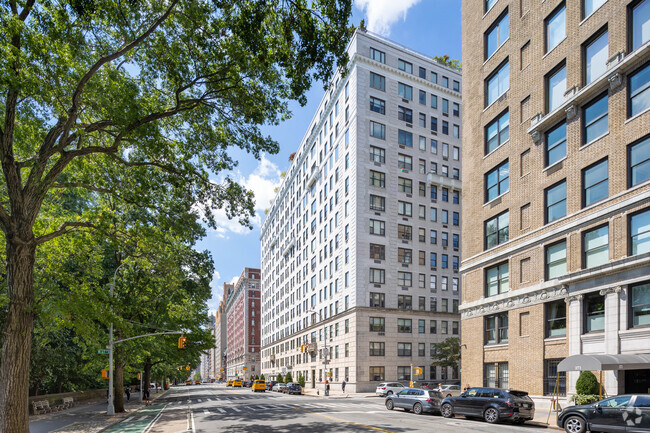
(145, 395)
(127, 390)
(343, 385)
(327, 387)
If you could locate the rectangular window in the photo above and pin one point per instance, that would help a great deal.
(640, 17)
(377, 130)
(497, 83)
(404, 326)
(553, 378)
(377, 252)
(497, 181)
(403, 232)
(555, 260)
(444, 325)
(595, 245)
(377, 349)
(445, 127)
(555, 87)
(404, 138)
(555, 319)
(377, 324)
(456, 86)
(422, 72)
(377, 105)
(639, 227)
(456, 109)
(589, 6)
(434, 127)
(496, 328)
(596, 53)
(404, 256)
(497, 230)
(497, 132)
(555, 201)
(403, 349)
(497, 279)
(405, 91)
(405, 66)
(496, 35)
(377, 154)
(404, 279)
(445, 106)
(422, 122)
(405, 185)
(639, 161)
(377, 203)
(404, 208)
(555, 27)
(405, 114)
(555, 144)
(595, 184)
(377, 227)
(376, 374)
(639, 84)
(377, 179)
(640, 304)
(456, 131)
(594, 312)
(377, 55)
(433, 324)
(377, 276)
(595, 119)
(434, 102)
(445, 81)
(422, 97)
(377, 81)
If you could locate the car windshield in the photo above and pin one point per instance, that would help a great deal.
(621, 401)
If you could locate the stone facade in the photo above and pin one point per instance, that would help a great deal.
(512, 331)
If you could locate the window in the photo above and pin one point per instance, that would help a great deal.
(377, 82)
(377, 324)
(404, 326)
(555, 319)
(445, 261)
(404, 208)
(422, 72)
(377, 252)
(496, 35)
(377, 105)
(377, 154)
(496, 328)
(640, 17)
(589, 6)
(405, 185)
(456, 109)
(403, 349)
(555, 27)
(553, 377)
(377, 130)
(497, 132)
(405, 91)
(422, 122)
(377, 276)
(497, 181)
(434, 128)
(433, 324)
(445, 81)
(594, 312)
(595, 119)
(639, 161)
(596, 53)
(445, 106)
(555, 87)
(376, 374)
(497, 279)
(404, 232)
(497, 229)
(405, 114)
(456, 86)
(456, 197)
(640, 232)
(640, 305)
(377, 179)
(404, 279)
(405, 66)
(456, 131)
(377, 202)
(422, 97)
(497, 83)
(377, 227)
(555, 201)
(555, 260)
(434, 102)
(556, 144)
(404, 303)
(404, 256)
(456, 153)
(404, 138)
(595, 183)
(377, 349)
(377, 55)
(639, 91)
(445, 127)
(444, 325)
(488, 4)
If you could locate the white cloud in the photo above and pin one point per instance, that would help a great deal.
(382, 14)
(234, 279)
(217, 291)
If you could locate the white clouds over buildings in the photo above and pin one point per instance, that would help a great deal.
(382, 14)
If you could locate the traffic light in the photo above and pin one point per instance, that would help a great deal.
(188, 368)
(105, 373)
(182, 342)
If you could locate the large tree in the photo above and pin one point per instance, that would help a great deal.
(138, 101)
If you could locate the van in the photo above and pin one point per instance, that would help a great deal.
(259, 385)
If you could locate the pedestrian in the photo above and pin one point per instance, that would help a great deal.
(146, 396)
(128, 393)
(327, 387)
(343, 385)
(466, 387)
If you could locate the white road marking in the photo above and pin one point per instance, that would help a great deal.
(221, 410)
(236, 409)
(205, 411)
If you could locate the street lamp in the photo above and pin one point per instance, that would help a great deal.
(110, 410)
(325, 354)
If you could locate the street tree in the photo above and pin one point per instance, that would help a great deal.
(130, 100)
(446, 353)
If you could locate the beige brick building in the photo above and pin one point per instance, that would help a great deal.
(555, 259)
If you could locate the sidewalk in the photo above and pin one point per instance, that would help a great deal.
(334, 393)
(87, 417)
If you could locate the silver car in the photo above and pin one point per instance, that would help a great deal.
(388, 388)
(450, 390)
(416, 400)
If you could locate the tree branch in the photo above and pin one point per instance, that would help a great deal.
(63, 229)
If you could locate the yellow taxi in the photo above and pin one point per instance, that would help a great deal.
(198, 382)
(259, 385)
(236, 383)
(188, 382)
(229, 383)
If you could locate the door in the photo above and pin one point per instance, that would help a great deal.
(607, 415)
(401, 399)
(463, 404)
(637, 420)
(313, 378)
(637, 381)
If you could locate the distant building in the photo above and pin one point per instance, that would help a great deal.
(243, 326)
(220, 334)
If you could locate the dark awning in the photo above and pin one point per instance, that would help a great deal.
(604, 362)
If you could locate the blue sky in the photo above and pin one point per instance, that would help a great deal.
(431, 27)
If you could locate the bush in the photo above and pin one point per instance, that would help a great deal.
(279, 378)
(301, 380)
(587, 384)
(579, 399)
(262, 376)
(288, 378)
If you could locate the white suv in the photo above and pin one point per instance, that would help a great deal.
(388, 388)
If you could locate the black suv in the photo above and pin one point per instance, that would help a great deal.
(491, 404)
(628, 413)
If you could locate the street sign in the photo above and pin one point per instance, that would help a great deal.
(102, 352)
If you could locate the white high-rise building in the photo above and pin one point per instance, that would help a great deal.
(361, 246)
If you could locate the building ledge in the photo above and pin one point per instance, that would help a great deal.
(438, 179)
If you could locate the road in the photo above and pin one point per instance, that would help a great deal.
(213, 408)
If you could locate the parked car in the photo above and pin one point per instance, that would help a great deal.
(258, 385)
(628, 413)
(416, 400)
(427, 385)
(491, 404)
(293, 388)
(270, 384)
(246, 384)
(188, 382)
(197, 382)
(388, 388)
(236, 383)
(278, 387)
(450, 390)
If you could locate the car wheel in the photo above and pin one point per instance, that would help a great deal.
(447, 411)
(389, 393)
(575, 424)
(491, 415)
(389, 404)
(417, 409)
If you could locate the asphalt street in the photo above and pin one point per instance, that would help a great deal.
(214, 408)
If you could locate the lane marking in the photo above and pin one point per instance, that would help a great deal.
(221, 410)
(205, 411)
(348, 422)
(236, 409)
(199, 400)
(154, 420)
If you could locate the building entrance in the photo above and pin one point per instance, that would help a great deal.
(637, 381)
(313, 378)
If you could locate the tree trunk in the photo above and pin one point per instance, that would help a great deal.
(17, 333)
(147, 373)
(118, 385)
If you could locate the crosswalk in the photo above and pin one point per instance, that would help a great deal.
(247, 408)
